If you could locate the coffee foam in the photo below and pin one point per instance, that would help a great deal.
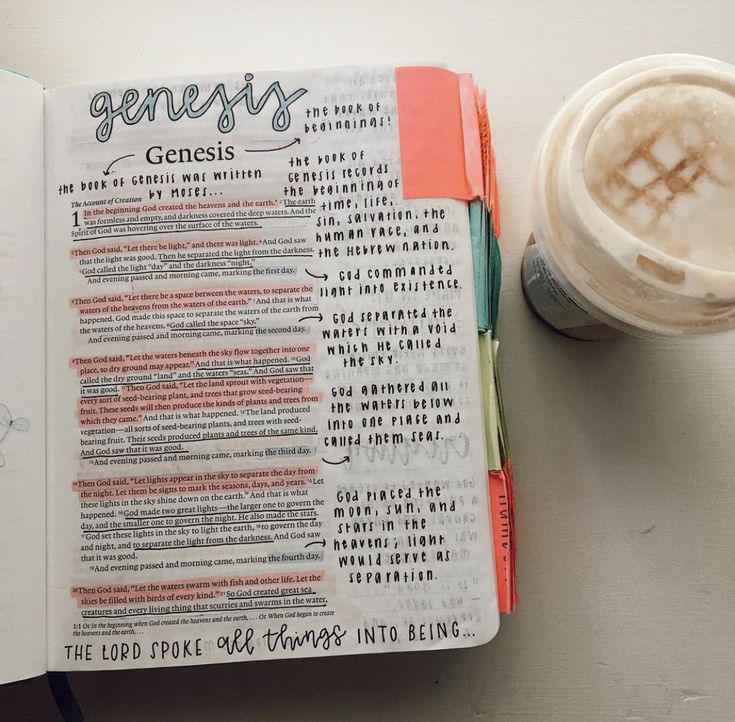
(662, 165)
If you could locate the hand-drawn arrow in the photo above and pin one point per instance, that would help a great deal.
(303, 318)
(322, 542)
(323, 276)
(107, 172)
(268, 150)
(336, 463)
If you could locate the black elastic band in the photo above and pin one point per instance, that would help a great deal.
(64, 697)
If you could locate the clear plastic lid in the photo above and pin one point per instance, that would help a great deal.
(634, 196)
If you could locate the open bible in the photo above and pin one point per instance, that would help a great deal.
(245, 412)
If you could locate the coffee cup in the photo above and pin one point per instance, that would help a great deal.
(633, 203)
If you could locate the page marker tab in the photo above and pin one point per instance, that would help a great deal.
(471, 134)
(431, 132)
(488, 160)
(502, 509)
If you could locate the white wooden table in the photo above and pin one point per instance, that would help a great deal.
(624, 452)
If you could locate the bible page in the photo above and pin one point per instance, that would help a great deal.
(22, 378)
(264, 388)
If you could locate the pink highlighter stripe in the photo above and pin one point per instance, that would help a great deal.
(437, 126)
